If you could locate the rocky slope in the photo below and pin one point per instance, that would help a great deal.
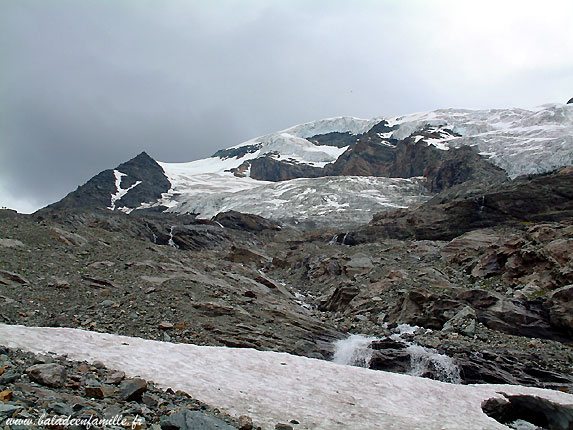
(536, 199)
(241, 281)
(50, 387)
(405, 230)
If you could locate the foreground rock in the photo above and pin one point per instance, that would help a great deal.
(41, 390)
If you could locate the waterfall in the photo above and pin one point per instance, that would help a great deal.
(427, 360)
(482, 204)
(171, 242)
(354, 350)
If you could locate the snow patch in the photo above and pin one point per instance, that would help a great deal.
(120, 191)
(273, 387)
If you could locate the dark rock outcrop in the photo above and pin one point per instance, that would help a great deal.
(335, 138)
(560, 304)
(237, 152)
(340, 298)
(196, 237)
(247, 222)
(376, 156)
(542, 198)
(537, 412)
(50, 374)
(270, 169)
(189, 420)
(97, 192)
(570, 101)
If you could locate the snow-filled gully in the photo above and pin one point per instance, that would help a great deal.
(273, 387)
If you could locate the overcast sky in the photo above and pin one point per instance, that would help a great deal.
(86, 85)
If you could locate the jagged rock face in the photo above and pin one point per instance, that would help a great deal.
(237, 152)
(560, 305)
(153, 181)
(543, 198)
(98, 191)
(381, 157)
(248, 222)
(570, 101)
(335, 138)
(271, 169)
(407, 159)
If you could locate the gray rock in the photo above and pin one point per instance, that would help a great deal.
(61, 409)
(132, 389)
(8, 409)
(115, 378)
(560, 304)
(245, 422)
(463, 322)
(98, 364)
(340, 299)
(193, 420)
(52, 375)
(11, 243)
(9, 377)
(359, 265)
(283, 426)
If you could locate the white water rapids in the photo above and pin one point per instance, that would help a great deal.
(356, 350)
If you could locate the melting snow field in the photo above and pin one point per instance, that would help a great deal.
(273, 387)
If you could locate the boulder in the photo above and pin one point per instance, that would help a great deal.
(463, 322)
(560, 305)
(358, 265)
(193, 420)
(340, 298)
(426, 309)
(132, 389)
(52, 375)
(245, 422)
(245, 256)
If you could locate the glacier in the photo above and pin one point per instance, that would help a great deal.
(520, 141)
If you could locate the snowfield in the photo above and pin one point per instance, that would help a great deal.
(520, 141)
(335, 201)
(276, 387)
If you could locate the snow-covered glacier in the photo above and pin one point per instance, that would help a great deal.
(521, 141)
(335, 201)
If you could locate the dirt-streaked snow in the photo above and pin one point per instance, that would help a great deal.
(276, 387)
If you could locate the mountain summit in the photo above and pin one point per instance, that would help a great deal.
(341, 170)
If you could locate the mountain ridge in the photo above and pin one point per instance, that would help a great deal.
(447, 148)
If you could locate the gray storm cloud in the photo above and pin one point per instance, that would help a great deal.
(88, 84)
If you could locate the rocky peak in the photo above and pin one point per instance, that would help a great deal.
(131, 183)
